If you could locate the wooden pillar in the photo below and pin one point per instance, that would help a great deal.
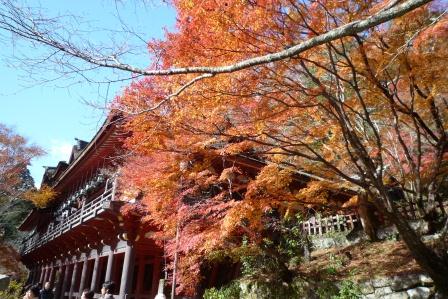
(30, 276)
(140, 272)
(38, 273)
(52, 270)
(110, 265)
(156, 270)
(128, 270)
(95, 272)
(65, 281)
(29, 280)
(42, 273)
(83, 277)
(48, 272)
(35, 275)
(60, 281)
(72, 285)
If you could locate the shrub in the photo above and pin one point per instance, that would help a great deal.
(230, 291)
(348, 290)
(14, 291)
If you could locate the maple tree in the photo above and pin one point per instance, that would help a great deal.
(310, 88)
(354, 113)
(15, 155)
(40, 197)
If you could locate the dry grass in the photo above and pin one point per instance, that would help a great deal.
(362, 261)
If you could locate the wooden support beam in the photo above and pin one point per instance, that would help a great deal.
(82, 283)
(140, 273)
(128, 270)
(29, 280)
(48, 272)
(35, 274)
(157, 269)
(29, 277)
(110, 265)
(51, 276)
(38, 274)
(95, 272)
(72, 285)
(42, 273)
(65, 281)
(60, 281)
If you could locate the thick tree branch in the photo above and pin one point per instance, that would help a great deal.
(21, 25)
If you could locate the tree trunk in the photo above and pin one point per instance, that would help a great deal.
(366, 214)
(434, 265)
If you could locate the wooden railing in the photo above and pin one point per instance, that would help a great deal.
(339, 223)
(85, 213)
(411, 212)
(334, 223)
(98, 295)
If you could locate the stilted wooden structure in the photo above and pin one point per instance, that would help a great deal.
(81, 240)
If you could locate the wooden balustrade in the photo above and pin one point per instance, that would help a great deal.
(334, 223)
(339, 223)
(86, 212)
(410, 210)
(313, 226)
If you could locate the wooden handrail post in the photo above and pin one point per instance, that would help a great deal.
(82, 210)
(114, 187)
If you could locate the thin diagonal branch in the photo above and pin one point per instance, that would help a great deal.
(21, 25)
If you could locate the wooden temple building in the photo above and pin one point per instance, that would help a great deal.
(81, 240)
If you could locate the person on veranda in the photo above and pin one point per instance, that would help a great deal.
(107, 290)
(32, 293)
(46, 292)
(87, 294)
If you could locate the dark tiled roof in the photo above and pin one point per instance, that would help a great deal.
(77, 149)
(53, 172)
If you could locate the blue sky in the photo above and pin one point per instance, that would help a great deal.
(53, 114)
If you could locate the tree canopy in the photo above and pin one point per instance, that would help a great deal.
(354, 113)
(15, 155)
(349, 94)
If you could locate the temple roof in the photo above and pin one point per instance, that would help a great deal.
(77, 149)
(83, 152)
(85, 158)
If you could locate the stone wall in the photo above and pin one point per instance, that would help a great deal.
(410, 286)
(357, 235)
(4, 282)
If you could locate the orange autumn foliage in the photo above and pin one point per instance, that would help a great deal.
(41, 198)
(15, 156)
(331, 114)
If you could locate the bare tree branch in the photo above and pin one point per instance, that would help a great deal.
(19, 23)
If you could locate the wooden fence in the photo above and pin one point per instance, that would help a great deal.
(334, 223)
(346, 222)
(410, 210)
